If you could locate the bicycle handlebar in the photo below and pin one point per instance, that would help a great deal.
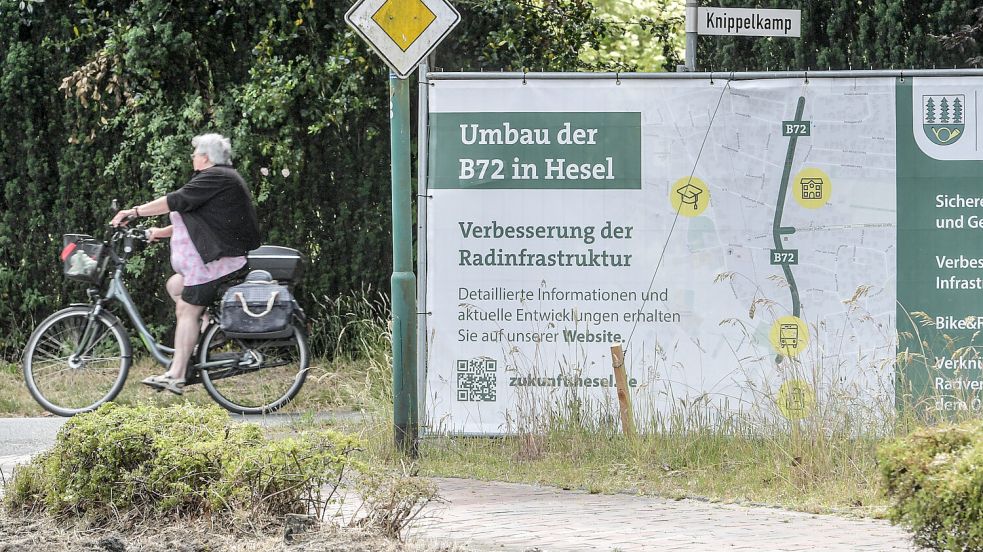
(120, 240)
(139, 233)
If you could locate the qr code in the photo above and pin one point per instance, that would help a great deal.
(477, 379)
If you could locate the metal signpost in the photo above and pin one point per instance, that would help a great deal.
(403, 33)
(692, 12)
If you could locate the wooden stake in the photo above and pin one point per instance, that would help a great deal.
(624, 399)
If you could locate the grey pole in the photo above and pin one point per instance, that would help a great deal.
(422, 198)
(692, 12)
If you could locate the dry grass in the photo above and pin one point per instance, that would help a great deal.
(42, 535)
(331, 385)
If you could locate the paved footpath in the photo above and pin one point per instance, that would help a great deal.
(511, 517)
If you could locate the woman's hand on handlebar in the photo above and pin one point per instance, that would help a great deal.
(154, 233)
(123, 217)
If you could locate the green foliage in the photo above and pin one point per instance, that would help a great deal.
(99, 99)
(517, 35)
(129, 463)
(353, 330)
(843, 34)
(965, 39)
(354, 325)
(650, 35)
(936, 486)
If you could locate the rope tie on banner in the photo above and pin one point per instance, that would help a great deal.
(807, 76)
(902, 75)
(675, 219)
(617, 78)
(523, 77)
(711, 78)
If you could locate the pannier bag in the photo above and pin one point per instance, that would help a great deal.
(259, 307)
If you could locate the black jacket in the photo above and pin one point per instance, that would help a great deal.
(219, 213)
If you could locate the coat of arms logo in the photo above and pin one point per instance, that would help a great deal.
(944, 118)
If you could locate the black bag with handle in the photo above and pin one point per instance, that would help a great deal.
(258, 308)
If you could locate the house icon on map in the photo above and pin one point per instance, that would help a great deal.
(812, 188)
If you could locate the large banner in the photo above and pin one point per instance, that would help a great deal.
(757, 247)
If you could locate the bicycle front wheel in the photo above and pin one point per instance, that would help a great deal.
(259, 375)
(72, 366)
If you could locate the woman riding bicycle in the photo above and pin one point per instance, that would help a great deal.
(213, 226)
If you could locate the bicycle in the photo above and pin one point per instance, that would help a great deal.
(87, 341)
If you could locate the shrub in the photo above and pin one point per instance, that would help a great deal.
(392, 500)
(131, 463)
(934, 480)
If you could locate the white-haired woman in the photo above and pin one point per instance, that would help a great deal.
(213, 226)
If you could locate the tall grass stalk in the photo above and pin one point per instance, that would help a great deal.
(350, 335)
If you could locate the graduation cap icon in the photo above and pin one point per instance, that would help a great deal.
(689, 195)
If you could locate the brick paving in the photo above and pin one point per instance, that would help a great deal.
(489, 516)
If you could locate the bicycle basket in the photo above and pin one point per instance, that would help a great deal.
(83, 258)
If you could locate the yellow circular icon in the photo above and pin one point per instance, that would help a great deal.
(689, 196)
(811, 188)
(789, 335)
(796, 399)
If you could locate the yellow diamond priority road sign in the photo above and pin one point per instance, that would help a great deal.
(403, 32)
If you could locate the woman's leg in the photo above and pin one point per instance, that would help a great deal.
(175, 285)
(185, 336)
(187, 330)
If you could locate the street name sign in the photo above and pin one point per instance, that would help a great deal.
(748, 22)
(403, 32)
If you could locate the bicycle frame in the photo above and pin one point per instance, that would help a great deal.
(116, 292)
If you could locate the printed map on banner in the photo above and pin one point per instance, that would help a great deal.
(739, 238)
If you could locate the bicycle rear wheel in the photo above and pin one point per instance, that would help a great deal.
(268, 372)
(68, 377)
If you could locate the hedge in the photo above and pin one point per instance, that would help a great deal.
(934, 478)
(99, 99)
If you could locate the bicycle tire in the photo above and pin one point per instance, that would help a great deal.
(260, 388)
(75, 386)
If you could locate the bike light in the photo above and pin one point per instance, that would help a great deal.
(68, 250)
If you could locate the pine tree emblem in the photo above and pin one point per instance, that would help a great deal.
(943, 118)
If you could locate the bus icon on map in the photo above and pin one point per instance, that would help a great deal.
(788, 335)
